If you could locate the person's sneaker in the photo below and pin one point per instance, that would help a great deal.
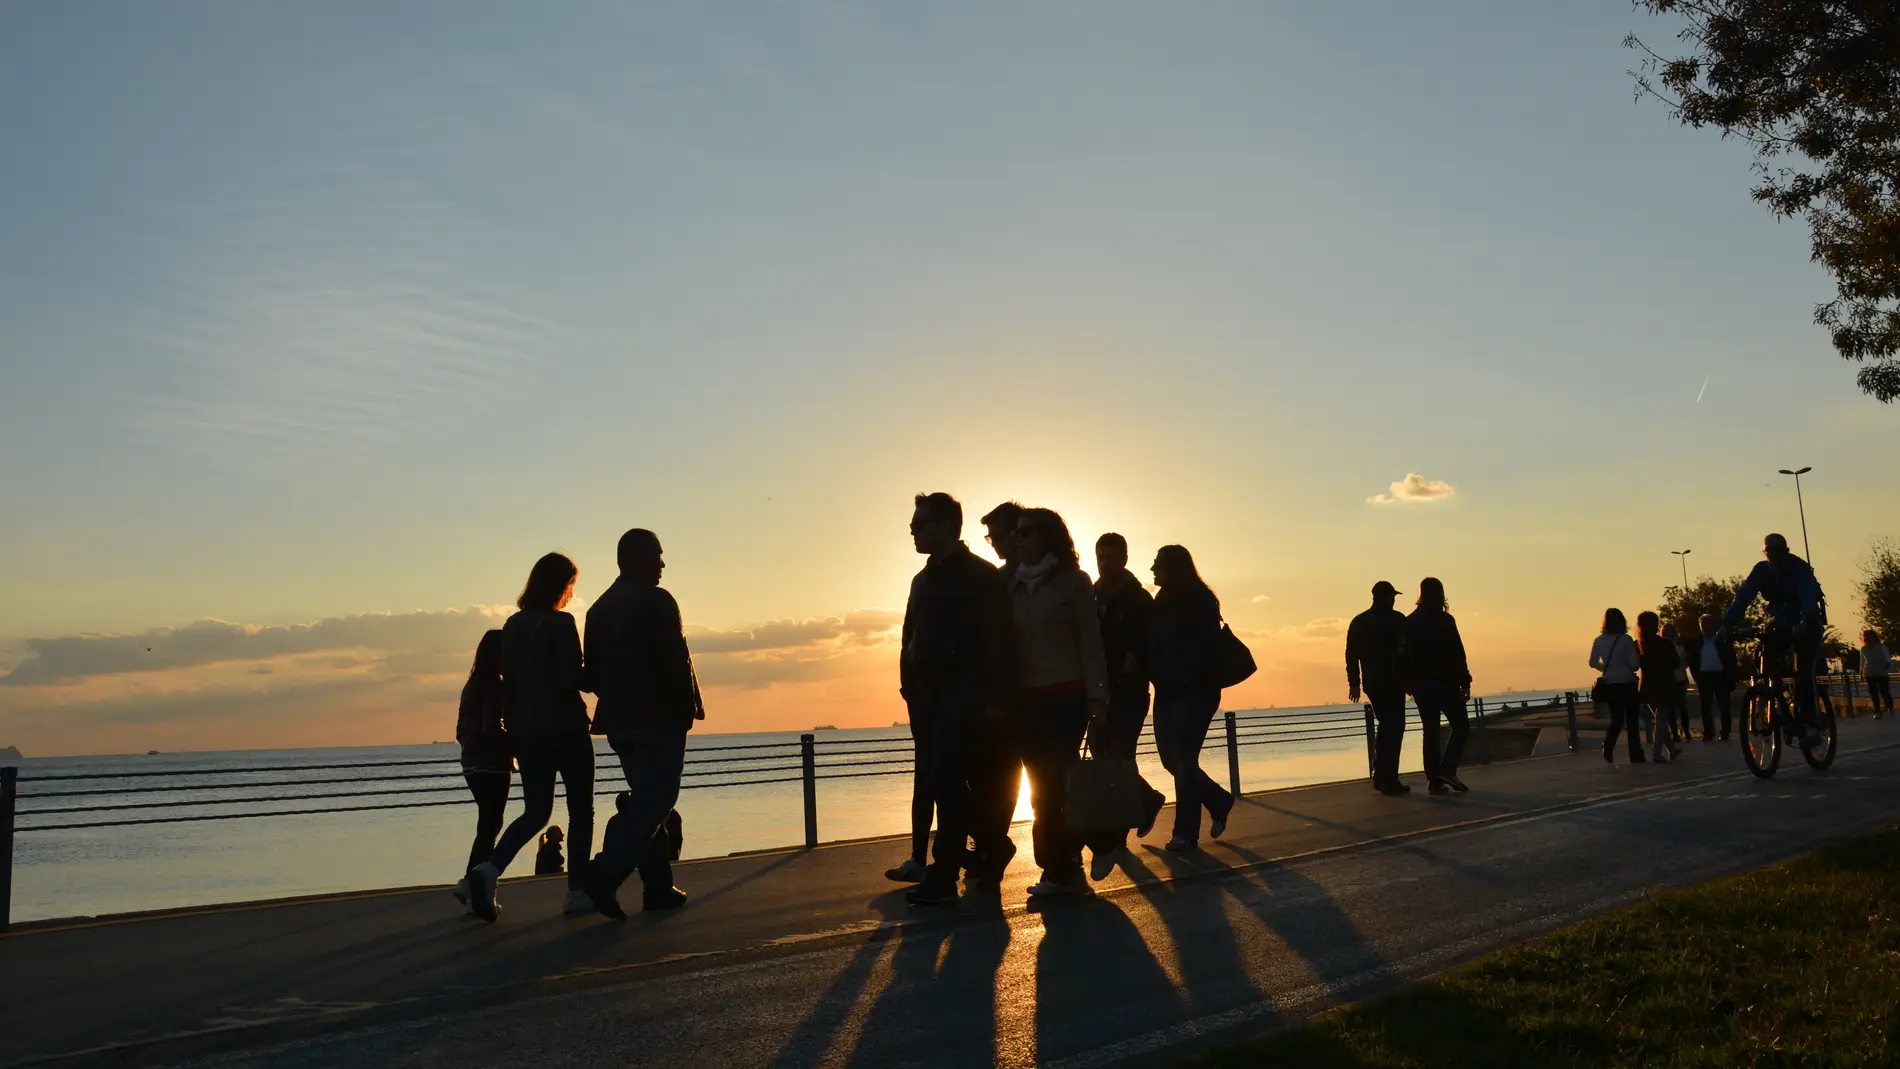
(461, 894)
(577, 903)
(1102, 865)
(1395, 790)
(1152, 809)
(911, 871)
(481, 891)
(1658, 757)
(930, 894)
(600, 891)
(1439, 786)
(664, 898)
(1675, 753)
(1457, 784)
(1047, 887)
(1637, 759)
(1179, 845)
(1218, 826)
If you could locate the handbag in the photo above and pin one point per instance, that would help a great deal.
(1600, 692)
(1233, 661)
(1102, 795)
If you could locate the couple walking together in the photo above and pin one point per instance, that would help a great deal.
(1010, 670)
(1389, 655)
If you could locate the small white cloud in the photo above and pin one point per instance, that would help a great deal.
(1414, 488)
(1325, 627)
(1259, 598)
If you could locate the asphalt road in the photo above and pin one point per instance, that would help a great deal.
(1323, 895)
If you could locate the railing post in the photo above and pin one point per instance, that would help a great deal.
(1484, 736)
(808, 750)
(9, 790)
(1233, 754)
(1570, 716)
(1372, 743)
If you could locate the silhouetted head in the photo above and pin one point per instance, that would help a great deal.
(1867, 637)
(1041, 533)
(1384, 594)
(1431, 595)
(1175, 573)
(1615, 623)
(487, 667)
(1647, 623)
(1111, 554)
(936, 523)
(641, 558)
(1708, 624)
(1000, 525)
(1774, 547)
(1669, 631)
(550, 583)
(552, 836)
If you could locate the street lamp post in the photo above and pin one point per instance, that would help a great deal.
(1799, 504)
(1682, 555)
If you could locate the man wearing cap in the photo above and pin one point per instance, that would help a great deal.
(1373, 643)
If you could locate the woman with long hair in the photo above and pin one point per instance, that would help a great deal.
(487, 763)
(1439, 679)
(1660, 659)
(541, 662)
(1057, 640)
(1615, 657)
(1183, 645)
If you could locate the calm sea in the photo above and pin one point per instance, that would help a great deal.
(94, 871)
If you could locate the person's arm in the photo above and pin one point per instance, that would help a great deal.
(1206, 631)
(1461, 668)
(672, 661)
(903, 645)
(1758, 576)
(1599, 660)
(590, 651)
(1088, 627)
(567, 654)
(1353, 642)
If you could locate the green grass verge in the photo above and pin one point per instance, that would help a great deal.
(1794, 965)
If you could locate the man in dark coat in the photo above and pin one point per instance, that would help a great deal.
(1374, 642)
(1712, 663)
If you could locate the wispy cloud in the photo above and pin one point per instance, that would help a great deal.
(1414, 488)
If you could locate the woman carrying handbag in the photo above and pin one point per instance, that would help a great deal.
(1614, 655)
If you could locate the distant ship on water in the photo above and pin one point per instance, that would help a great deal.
(9, 753)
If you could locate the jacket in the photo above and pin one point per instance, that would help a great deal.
(1056, 635)
(1788, 585)
(1875, 661)
(956, 629)
(1434, 652)
(1614, 654)
(541, 662)
(637, 660)
(1183, 640)
(1724, 652)
(1660, 661)
(481, 727)
(1123, 606)
(1374, 642)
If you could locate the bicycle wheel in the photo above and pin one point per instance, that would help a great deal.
(1761, 737)
(1821, 755)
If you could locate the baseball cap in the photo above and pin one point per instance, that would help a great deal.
(1383, 587)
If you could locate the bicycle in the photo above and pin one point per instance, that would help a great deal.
(1768, 716)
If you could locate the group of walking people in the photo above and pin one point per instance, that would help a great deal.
(1390, 654)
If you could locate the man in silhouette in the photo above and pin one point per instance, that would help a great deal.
(1123, 607)
(998, 775)
(1798, 612)
(1712, 662)
(636, 657)
(954, 675)
(1374, 641)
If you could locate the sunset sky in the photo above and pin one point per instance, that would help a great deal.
(319, 323)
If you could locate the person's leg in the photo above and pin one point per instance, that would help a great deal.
(577, 778)
(1388, 707)
(1453, 704)
(1724, 699)
(1879, 691)
(1068, 716)
(1628, 698)
(952, 717)
(1208, 792)
(490, 790)
(1035, 744)
(1429, 713)
(1705, 699)
(1806, 685)
(536, 756)
(652, 758)
(922, 803)
(1616, 726)
(1117, 739)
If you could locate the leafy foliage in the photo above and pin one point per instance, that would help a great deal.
(1814, 86)
(1706, 595)
(1880, 590)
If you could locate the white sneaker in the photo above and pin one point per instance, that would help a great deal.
(909, 872)
(460, 892)
(577, 903)
(1102, 866)
(1048, 888)
(481, 891)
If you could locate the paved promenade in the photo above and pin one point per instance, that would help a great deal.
(804, 958)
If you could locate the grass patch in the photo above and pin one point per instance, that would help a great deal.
(1794, 965)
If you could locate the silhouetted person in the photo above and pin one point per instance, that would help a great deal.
(997, 778)
(1658, 688)
(1373, 644)
(547, 723)
(1183, 650)
(487, 763)
(1123, 606)
(548, 860)
(648, 699)
(1797, 610)
(955, 676)
(1615, 657)
(1439, 677)
(1876, 667)
(1679, 693)
(1712, 662)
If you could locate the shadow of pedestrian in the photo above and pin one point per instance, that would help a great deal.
(1097, 979)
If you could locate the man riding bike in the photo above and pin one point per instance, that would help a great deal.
(1797, 612)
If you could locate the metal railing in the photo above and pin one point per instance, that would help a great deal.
(90, 800)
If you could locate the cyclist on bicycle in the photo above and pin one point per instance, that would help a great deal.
(1797, 611)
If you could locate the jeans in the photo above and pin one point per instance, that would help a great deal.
(1879, 688)
(1445, 700)
(1715, 689)
(1663, 709)
(569, 755)
(923, 803)
(953, 716)
(1127, 711)
(1181, 722)
(491, 798)
(1388, 706)
(652, 757)
(1049, 733)
(994, 770)
(1623, 715)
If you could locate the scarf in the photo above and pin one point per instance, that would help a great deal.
(1031, 576)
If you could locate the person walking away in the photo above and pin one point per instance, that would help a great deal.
(955, 676)
(1373, 643)
(1876, 667)
(1615, 657)
(647, 701)
(487, 763)
(1797, 609)
(1439, 677)
(1712, 662)
(547, 723)
(1679, 694)
(548, 860)
(1183, 644)
(1122, 607)
(1658, 688)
